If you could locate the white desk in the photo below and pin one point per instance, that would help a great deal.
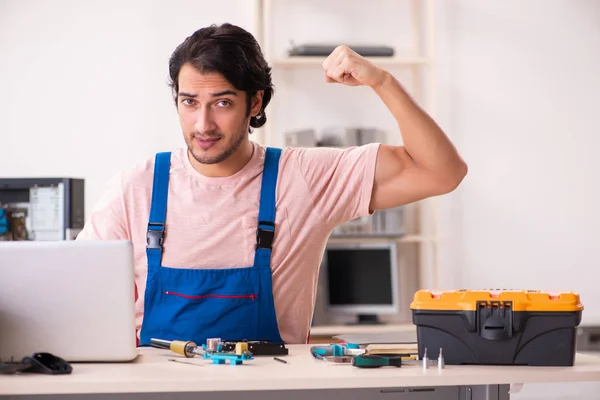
(152, 375)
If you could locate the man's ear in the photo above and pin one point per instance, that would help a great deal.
(256, 103)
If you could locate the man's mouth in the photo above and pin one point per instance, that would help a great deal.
(206, 143)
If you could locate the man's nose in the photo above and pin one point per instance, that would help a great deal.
(204, 121)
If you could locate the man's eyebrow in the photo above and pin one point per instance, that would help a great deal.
(223, 93)
(216, 94)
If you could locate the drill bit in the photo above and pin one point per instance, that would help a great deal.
(441, 360)
(184, 362)
(425, 359)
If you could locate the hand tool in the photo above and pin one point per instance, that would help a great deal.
(190, 349)
(40, 363)
(336, 350)
(187, 349)
(376, 360)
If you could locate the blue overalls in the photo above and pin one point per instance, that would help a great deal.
(195, 304)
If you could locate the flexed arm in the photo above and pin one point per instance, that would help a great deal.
(427, 164)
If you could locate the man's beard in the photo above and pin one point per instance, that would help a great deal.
(206, 159)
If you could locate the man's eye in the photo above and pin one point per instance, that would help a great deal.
(223, 103)
(188, 102)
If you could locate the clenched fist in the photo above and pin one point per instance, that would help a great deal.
(346, 66)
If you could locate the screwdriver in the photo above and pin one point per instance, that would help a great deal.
(188, 349)
(376, 361)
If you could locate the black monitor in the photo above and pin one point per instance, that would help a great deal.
(361, 279)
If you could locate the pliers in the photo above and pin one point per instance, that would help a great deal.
(353, 354)
(377, 360)
(336, 352)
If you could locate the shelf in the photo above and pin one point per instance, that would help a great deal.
(317, 61)
(417, 60)
(408, 238)
(417, 239)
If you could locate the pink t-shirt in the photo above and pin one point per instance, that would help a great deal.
(211, 222)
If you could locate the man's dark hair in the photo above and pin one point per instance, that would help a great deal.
(234, 53)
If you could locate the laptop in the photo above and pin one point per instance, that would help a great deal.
(74, 299)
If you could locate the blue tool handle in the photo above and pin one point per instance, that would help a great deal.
(331, 350)
(318, 351)
(335, 350)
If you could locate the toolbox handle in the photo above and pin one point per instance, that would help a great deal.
(495, 320)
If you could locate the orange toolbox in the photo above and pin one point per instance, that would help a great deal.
(497, 327)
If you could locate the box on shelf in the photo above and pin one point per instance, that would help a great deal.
(301, 138)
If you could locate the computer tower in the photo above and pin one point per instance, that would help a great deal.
(41, 208)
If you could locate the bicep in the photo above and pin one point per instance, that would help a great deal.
(399, 180)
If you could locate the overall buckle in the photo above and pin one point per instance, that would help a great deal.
(264, 237)
(155, 237)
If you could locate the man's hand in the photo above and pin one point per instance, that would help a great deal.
(346, 66)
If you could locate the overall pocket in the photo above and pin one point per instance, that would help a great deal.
(203, 308)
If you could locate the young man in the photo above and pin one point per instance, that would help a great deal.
(228, 235)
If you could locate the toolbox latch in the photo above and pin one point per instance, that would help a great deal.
(495, 319)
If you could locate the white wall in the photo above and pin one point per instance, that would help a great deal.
(84, 93)
(518, 86)
(84, 83)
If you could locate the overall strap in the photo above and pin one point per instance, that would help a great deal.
(158, 209)
(266, 213)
